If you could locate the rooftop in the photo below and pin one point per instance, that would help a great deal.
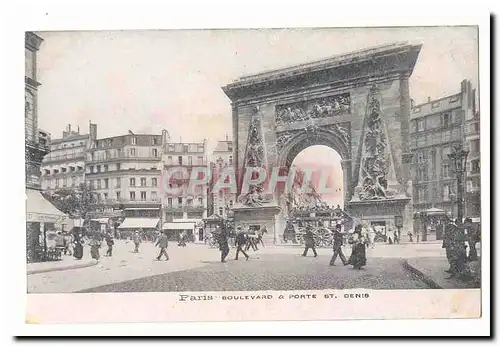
(224, 146)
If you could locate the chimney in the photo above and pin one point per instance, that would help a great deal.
(428, 99)
(78, 129)
(227, 138)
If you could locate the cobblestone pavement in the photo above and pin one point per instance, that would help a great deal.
(384, 269)
(274, 272)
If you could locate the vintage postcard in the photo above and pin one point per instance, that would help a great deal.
(253, 174)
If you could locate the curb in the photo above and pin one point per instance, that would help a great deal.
(69, 267)
(426, 279)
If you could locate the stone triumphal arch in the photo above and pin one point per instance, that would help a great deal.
(357, 104)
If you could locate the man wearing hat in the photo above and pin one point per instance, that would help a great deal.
(338, 240)
(137, 240)
(309, 242)
(240, 241)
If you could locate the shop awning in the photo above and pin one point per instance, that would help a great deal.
(179, 225)
(137, 222)
(39, 209)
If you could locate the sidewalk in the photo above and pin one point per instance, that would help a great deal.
(66, 263)
(431, 270)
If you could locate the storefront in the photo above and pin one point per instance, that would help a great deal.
(192, 227)
(43, 220)
(132, 224)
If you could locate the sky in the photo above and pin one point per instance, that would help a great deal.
(146, 81)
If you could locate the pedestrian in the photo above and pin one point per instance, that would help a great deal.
(449, 229)
(309, 242)
(222, 238)
(338, 241)
(136, 238)
(410, 236)
(359, 242)
(390, 236)
(472, 238)
(78, 246)
(109, 242)
(68, 241)
(396, 237)
(182, 239)
(162, 242)
(240, 241)
(458, 253)
(95, 244)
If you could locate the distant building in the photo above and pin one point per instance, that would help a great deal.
(124, 172)
(64, 166)
(435, 126)
(223, 200)
(185, 209)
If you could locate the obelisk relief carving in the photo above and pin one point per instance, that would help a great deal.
(255, 158)
(376, 174)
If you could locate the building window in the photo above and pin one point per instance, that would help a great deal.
(420, 125)
(143, 195)
(72, 169)
(143, 182)
(106, 183)
(169, 202)
(98, 183)
(98, 169)
(179, 201)
(118, 195)
(154, 182)
(132, 195)
(118, 183)
(422, 173)
(221, 211)
(200, 200)
(231, 203)
(65, 182)
(421, 141)
(155, 152)
(155, 141)
(132, 181)
(200, 160)
(169, 160)
(171, 147)
(190, 160)
(105, 168)
(189, 202)
(57, 183)
(446, 119)
(63, 170)
(420, 157)
(475, 146)
(132, 152)
(447, 192)
(179, 159)
(230, 160)
(185, 148)
(446, 170)
(476, 167)
(105, 196)
(134, 141)
(118, 166)
(201, 148)
(421, 194)
(153, 195)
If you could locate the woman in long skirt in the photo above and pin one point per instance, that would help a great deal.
(358, 255)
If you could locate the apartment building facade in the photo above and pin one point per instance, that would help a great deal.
(64, 165)
(124, 172)
(185, 209)
(223, 200)
(435, 126)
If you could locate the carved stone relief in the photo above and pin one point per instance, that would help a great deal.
(254, 157)
(327, 107)
(375, 159)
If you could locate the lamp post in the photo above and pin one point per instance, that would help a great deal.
(459, 160)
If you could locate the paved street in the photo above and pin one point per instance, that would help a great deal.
(197, 267)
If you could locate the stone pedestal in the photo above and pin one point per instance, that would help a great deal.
(384, 210)
(263, 216)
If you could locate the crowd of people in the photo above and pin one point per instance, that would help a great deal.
(244, 239)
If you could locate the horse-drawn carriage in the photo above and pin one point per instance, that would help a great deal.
(321, 220)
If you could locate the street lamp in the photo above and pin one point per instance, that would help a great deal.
(459, 160)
